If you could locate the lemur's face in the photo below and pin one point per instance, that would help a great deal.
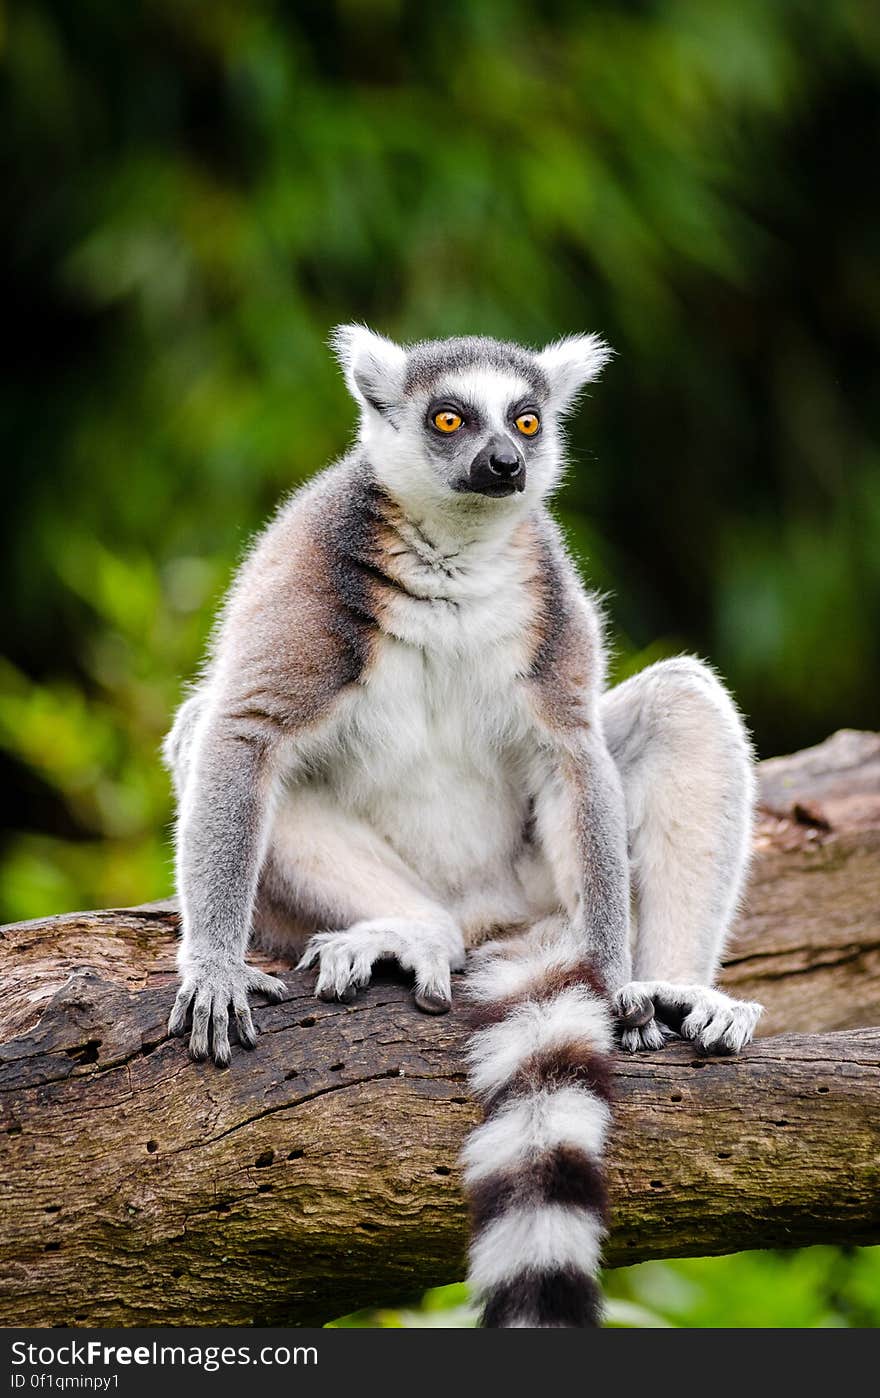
(480, 430)
(465, 419)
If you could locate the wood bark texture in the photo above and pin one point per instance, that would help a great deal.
(319, 1174)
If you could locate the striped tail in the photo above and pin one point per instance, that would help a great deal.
(533, 1168)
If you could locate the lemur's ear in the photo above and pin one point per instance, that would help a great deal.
(570, 364)
(374, 367)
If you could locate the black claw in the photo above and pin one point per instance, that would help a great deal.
(344, 997)
(432, 1004)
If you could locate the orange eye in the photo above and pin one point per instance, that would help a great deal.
(528, 424)
(446, 420)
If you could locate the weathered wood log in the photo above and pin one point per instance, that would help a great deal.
(808, 943)
(319, 1173)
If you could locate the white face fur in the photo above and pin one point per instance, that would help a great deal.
(465, 427)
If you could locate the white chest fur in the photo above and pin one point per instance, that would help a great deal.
(433, 740)
(432, 759)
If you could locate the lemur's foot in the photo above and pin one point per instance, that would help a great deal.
(653, 1035)
(346, 959)
(638, 1026)
(715, 1022)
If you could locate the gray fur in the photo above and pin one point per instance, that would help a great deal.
(429, 362)
(402, 744)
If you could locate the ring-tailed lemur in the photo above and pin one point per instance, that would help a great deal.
(402, 746)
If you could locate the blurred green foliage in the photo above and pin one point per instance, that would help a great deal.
(196, 193)
(821, 1287)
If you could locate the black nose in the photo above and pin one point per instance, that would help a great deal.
(499, 469)
(505, 464)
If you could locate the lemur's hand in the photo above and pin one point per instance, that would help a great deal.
(650, 1013)
(214, 987)
(430, 949)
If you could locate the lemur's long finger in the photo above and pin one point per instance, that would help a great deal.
(198, 1039)
(657, 1034)
(220, 1031)
(264, 984)
(331, 975)
(336, 976)
(310, 955)
(338, 968)
(745, 1018)
(244, 1021)
(731, 1031)
(362, 967)
(177, 1018)
(433, 989)
(713, 1037)
(631, 1041)
(692, 1025)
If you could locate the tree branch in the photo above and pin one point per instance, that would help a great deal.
(319, 1173)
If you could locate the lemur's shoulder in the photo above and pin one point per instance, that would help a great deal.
(299, 623)
(568, 663)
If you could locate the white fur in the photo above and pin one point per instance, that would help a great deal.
(687, 775)
(570, 364)
(453, 792)
(369, 362)
(394, 441)
(526, 1127)
(499, 972)
(715, 1021)
(430, 949)
(542, 1238)
(496, 1054)
(438, 728)
(440, 725)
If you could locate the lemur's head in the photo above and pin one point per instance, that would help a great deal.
(468, 420)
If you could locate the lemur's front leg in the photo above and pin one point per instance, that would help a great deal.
(222, 831)
(580, 820)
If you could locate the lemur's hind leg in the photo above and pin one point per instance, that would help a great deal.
(334, 872)
(178, 745)
(686, 766)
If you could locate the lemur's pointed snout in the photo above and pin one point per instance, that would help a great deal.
(499, 469)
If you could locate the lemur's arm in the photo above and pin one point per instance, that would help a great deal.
(581, 823)
(220, 841)
(580, 815)
(282, 664)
